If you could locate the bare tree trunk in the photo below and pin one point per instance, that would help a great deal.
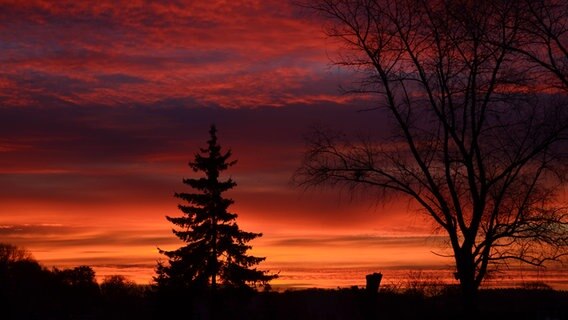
(466, 276)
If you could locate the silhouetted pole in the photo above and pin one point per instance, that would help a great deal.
(372, 290)
(373, 282)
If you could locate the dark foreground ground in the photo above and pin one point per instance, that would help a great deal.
(301, 304)
(357, 304)
(349, 304)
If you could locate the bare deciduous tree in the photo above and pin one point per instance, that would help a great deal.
(478, 144)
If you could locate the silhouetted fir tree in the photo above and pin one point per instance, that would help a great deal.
(216, 248)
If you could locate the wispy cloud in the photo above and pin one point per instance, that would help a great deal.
(237, 54)
(62, 236)
(360, 240)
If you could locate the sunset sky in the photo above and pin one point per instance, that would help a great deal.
(103, 103)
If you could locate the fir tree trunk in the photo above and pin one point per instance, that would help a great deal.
(214, 269)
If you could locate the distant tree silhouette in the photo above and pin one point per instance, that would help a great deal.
(476, 93)
(23, 285)
(122, 297)
(81, 276)
(23, 289)
(29, 290)
(10, 253)
(117, 286)
(78, 287)
(216, 248)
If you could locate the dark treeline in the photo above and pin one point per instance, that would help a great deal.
(29, 290)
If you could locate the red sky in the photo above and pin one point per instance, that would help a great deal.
(103, 103)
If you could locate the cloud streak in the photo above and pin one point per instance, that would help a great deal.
(359, 240)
